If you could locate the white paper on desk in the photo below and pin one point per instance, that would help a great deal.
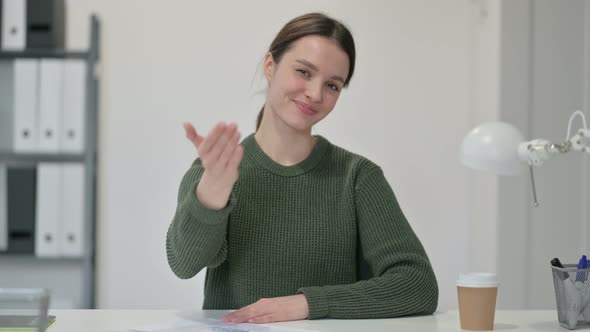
(212, 325)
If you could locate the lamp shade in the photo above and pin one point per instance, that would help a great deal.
(493, 147)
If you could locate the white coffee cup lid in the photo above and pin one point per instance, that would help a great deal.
(478, 280)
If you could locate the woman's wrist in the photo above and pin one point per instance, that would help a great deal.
(212, 196)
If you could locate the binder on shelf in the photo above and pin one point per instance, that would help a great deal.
(48, 210)
(30, 24)
(6, 105)
(21, 201)
(71, 237)
(45, 24)
(18, 105)
(26, 90)
(14, 16)
(50, 104)
(72, 134)
(1, 6)
(3, 210)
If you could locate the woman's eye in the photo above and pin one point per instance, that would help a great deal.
(333, 87)
(303, 72)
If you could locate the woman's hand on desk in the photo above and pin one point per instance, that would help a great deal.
(220, 154)
(278, 309)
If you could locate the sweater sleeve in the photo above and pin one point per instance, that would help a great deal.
(403, 283)
(196, 237)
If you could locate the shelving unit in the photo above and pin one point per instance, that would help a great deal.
(65, 277)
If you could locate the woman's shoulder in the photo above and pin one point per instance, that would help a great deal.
(353, 161)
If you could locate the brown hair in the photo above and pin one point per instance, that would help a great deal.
(312, 24)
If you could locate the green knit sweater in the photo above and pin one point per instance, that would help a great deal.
(329, 227)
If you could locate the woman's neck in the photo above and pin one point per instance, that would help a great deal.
(283, 144)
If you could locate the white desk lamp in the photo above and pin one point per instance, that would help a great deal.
(500, 148)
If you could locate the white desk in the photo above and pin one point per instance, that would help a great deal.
(122, 320)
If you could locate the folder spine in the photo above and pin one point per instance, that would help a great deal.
(72, 136)
(48, 210)
(26, 105)
(3, 210)
(50, 104)
(45, 24)
(72, 210)
(14, 16)
(6, 105)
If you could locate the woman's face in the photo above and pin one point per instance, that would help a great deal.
(305, 85)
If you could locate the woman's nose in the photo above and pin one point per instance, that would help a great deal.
(314, 92)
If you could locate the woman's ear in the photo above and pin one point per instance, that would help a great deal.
(269, 65)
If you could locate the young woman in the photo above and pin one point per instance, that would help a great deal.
(289, 225)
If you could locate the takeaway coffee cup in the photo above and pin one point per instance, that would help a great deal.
(477, 300)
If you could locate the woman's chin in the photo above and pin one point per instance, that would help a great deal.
(300, 127)
(298, 122)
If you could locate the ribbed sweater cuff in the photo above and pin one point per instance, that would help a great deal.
(193, 207)
(316, 302)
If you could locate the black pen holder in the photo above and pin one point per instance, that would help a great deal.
(572, 295)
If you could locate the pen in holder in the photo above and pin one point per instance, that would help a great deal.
(572, 293)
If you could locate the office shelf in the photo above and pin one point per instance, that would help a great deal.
(10, 158)
(41, 53)
(33, 258)
(63, 275)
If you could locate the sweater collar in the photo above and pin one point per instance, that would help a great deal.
(254, 152)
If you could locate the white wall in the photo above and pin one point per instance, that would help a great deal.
(558, 86)
(538, 74)
(513, 202)
(165, 62)
(558, 227)
(481, 202)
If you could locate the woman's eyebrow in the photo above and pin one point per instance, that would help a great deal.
(315, 68)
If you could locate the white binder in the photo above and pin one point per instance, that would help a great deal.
(71, 238)
(50, 104)
(14, 25)
(74, 104)
(47, 210)
(26, 86)
(3, 209)
(6, 104)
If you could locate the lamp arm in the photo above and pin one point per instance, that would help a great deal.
(537, 151)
